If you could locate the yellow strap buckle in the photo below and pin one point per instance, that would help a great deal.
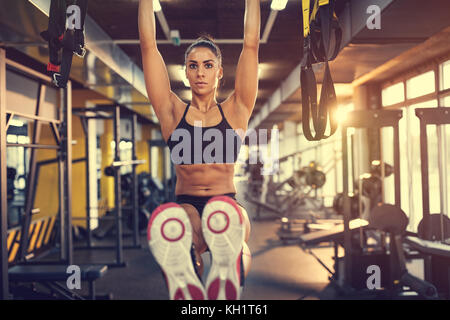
(305, 7)
(306, 10)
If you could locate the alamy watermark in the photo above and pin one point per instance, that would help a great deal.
(220, 147)
(374, 20)
(374, 280)
(74, 279)
(73, 17)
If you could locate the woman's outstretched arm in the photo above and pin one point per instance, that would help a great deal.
(156, 77)
(246, 84)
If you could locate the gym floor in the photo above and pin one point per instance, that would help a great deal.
(278, 271)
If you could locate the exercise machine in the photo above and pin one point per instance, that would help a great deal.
(114, 113)
(433, 236)
(27, 268)
(350, 271)
(287, 197)
(367, 191)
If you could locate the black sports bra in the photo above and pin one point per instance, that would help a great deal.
(195, 145)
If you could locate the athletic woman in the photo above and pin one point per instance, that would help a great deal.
(206, 215)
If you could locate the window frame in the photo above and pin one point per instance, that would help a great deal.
(438, 94)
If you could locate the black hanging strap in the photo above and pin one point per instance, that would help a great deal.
(62, 42)
(54, 35)
(320, 27)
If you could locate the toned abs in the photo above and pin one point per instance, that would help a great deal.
(205, 179)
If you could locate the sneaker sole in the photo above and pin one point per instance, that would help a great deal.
(169, 235)
(223, 230)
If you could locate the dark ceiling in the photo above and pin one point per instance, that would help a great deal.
(221, 19)
(405, 25)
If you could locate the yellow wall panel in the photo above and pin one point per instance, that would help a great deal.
(78, 174)
(107, 183)
(142, 150)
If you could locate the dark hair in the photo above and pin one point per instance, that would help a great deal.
(205, 41)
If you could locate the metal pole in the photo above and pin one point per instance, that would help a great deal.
(347, 232)
(393, 240)
(31, 178)
(150, 144)
(117, 188)
(425, 181)
(68, 170)
(425, 195)
(61, 157)
(352, 160)
(135, 200)
(4, 284)
(398, 202)
(164, 173)
(335, 166)
(85, 123)
(442, 166)
(444, 182)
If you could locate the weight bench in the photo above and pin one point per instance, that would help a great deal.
(331, 234)
(429, 247)
(335, 234)
(50, 275)
(437, 261)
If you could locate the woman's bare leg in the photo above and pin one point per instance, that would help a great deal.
(197, 235)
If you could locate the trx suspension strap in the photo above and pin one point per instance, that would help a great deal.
(66, 38)
(320, 26)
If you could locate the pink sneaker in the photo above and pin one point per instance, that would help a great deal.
(169, 235)
(223, 230)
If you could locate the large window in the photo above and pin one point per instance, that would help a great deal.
(409, 128)
(420, 85)
(410, 165)
(445, 75)
(445, 102)
(393, 94)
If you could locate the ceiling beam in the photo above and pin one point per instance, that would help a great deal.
(166, 29)
(110, 54)
(436, 46)
(353, 19)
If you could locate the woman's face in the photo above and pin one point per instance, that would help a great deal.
(203, 70)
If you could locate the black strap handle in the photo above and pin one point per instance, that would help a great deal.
(319, 114)
(316, 49)
(63, 43)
